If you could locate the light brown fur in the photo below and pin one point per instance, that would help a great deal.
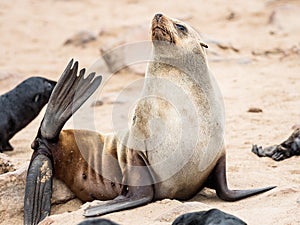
(173, 148)
(150, 114)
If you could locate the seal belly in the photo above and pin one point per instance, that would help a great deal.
(185, 183)
(178, 128)
(86, 161)
(183, 172)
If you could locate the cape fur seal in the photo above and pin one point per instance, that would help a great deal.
(286, 149)
(98, 222)
(21, 105)
(210, 217)
(173, 148)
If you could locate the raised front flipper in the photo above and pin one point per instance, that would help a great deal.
(137, 188)
(37, 201)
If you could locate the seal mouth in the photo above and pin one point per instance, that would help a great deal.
(161, 34)
(158, 28)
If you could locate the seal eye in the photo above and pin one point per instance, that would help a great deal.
(181, 27)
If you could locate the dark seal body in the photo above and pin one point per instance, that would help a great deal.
(21, 105)
(286, 149)
(213, 216)
(98, 222)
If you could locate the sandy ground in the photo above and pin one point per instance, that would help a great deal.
(254, 53)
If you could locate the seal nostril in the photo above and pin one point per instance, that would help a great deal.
(158, 16)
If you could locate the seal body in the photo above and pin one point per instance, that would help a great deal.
(178, 123)
(173, 148)
(21, 105)
(212, 216)
(96, 166)
(98, 222)
(178, 129)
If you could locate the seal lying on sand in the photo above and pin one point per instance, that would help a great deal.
(285, 150)
(173, 148)
(21, 105)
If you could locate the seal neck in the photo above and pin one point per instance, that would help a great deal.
(178, 70)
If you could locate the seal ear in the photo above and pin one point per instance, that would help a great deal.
(203, 45)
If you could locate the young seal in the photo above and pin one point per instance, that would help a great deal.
(286, 149)
(98, 222)
(21, 105)
(212, 216)
(173, 148)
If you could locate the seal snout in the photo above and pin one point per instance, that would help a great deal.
(158, 16)
(158, 21)
(160, 28)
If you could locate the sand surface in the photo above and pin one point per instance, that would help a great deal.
(254, 54)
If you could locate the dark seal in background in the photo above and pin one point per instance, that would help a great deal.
(21, 105)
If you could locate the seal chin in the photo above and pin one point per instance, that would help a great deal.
(161, 34)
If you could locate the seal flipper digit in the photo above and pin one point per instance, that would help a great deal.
(37, 203)
(139, 191)
(218, 182)
(63, 103)
(69, 94)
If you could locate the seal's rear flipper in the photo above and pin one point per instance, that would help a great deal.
(218, 181)
(70, 92)
(37, 201)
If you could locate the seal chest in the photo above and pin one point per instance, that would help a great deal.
(178, 124)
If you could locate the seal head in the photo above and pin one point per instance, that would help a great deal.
(174, 32)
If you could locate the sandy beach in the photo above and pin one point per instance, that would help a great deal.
(254, 55)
